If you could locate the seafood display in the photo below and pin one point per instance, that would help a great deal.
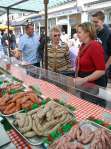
(11, 103)
(84, 137)
(42, 120)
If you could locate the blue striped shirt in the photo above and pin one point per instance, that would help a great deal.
(29, 47)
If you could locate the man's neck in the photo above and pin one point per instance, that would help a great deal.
(101, 28)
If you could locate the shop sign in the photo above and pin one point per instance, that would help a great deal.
(70, 11)
(37, 18)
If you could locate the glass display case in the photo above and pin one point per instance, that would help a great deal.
(89, 100)
(90, 92)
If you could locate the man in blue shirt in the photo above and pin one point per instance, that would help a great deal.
(28, 46)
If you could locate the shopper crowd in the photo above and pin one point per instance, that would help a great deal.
(86, 56)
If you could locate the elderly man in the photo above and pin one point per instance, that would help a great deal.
(28, 46)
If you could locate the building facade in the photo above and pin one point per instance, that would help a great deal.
(67, 16)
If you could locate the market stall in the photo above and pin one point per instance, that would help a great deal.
(31, 6)
(48, 86)
(40, 108)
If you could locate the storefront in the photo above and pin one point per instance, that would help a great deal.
(67, 19)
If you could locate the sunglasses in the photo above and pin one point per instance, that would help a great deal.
(57, 35)
(28, 24)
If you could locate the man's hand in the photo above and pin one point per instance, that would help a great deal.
(17, 53)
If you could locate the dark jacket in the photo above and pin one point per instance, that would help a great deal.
(103, 35)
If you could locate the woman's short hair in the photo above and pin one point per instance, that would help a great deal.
(89, 27)
(55, 29)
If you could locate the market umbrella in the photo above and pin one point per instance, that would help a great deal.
(3, 27)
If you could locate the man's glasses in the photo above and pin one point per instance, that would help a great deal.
(57, 35)
(29, 24)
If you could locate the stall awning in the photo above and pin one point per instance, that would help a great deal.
(3, 27)
(30, 5)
